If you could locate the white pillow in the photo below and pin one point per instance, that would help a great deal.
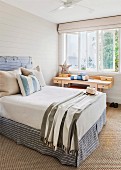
(8, 83)
(37, 72)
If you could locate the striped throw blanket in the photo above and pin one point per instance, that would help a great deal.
(59, 127)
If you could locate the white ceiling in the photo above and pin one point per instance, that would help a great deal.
(42, 8)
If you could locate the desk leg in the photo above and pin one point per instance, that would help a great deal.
(101, 90)
(62, 84)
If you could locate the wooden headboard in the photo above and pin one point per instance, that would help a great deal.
(8, 63)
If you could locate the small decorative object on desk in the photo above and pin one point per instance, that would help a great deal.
(85, 77)
(64, 75)
(65, 68)
(81, 76)
(76, 77)
(91, 90)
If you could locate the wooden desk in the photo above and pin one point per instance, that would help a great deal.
(99, 82)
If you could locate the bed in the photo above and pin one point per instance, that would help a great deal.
(21, 118)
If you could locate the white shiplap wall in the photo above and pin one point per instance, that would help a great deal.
(23, 34)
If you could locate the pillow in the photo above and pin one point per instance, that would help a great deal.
(37, 72)
(8, 83)
(28, 84)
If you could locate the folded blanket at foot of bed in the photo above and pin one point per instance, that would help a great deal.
(59, 128)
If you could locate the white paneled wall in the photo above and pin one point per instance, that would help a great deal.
(114, 94)
(23, 34)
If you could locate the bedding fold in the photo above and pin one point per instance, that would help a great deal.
(59, 124)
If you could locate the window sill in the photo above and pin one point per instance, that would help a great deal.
(94, 72)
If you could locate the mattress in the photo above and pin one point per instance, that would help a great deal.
(29, 110)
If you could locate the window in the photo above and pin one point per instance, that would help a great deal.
(72, 50)
(91, 50)
(94, 50)
(109, 50)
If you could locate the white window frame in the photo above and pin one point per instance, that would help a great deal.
(79, 67)
(78, 49)
(89, 69)
(97, 47)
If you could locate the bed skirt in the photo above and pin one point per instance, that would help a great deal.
(30, 137)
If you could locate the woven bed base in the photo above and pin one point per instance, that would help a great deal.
(30, 137)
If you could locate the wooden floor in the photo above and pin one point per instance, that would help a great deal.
(106, 157)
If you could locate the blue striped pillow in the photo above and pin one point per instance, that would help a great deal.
(28, 84)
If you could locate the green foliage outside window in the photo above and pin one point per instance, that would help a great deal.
(116, 51)
(108, 50)
(111, 48)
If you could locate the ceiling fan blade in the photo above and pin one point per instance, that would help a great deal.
(90, 9)
(63, 0)
(61, 7)
(66, 1)
(73, 1)
(58, 8)
(70, 2)
(77, 1)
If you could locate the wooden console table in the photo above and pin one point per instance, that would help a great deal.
(98, 82)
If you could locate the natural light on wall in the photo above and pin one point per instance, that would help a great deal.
(93, 50)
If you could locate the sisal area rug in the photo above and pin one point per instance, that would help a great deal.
(106, 157)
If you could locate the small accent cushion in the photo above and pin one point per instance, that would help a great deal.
(28, 84)
(37, 72)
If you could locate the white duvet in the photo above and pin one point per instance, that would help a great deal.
(29, 110)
